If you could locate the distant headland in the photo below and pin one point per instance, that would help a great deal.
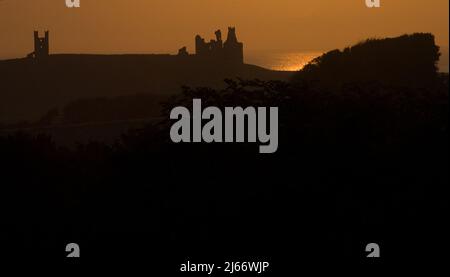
(44, 89)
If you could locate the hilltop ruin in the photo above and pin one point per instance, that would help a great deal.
(230, 51)
(215, 51)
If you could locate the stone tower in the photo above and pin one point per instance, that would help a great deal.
(41, 45)
(233, 49)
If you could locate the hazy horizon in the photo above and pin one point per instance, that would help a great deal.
(164, 26)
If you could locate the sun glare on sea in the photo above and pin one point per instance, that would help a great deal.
(282, 61)
(293, 61)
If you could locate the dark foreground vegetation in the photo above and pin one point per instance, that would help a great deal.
(362, 162)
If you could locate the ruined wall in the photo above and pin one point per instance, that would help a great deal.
(232, 51)
(41, 45)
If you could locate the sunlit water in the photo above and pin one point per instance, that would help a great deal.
(279, 60)
(291, 60)
(294, 61)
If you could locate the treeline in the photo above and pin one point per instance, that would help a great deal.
(409, 60)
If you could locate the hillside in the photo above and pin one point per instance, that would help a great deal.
(28, 89)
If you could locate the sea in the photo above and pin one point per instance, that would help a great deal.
(283, 60)
(296, 60)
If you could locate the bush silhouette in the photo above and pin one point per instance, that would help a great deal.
(406, 60)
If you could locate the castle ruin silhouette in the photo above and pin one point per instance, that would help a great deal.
(41, 46)
(215, 51)
(232, 51)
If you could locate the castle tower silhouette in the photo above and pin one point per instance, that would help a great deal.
(232, 51)
(41, 46)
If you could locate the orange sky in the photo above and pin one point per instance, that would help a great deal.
(163, 26)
